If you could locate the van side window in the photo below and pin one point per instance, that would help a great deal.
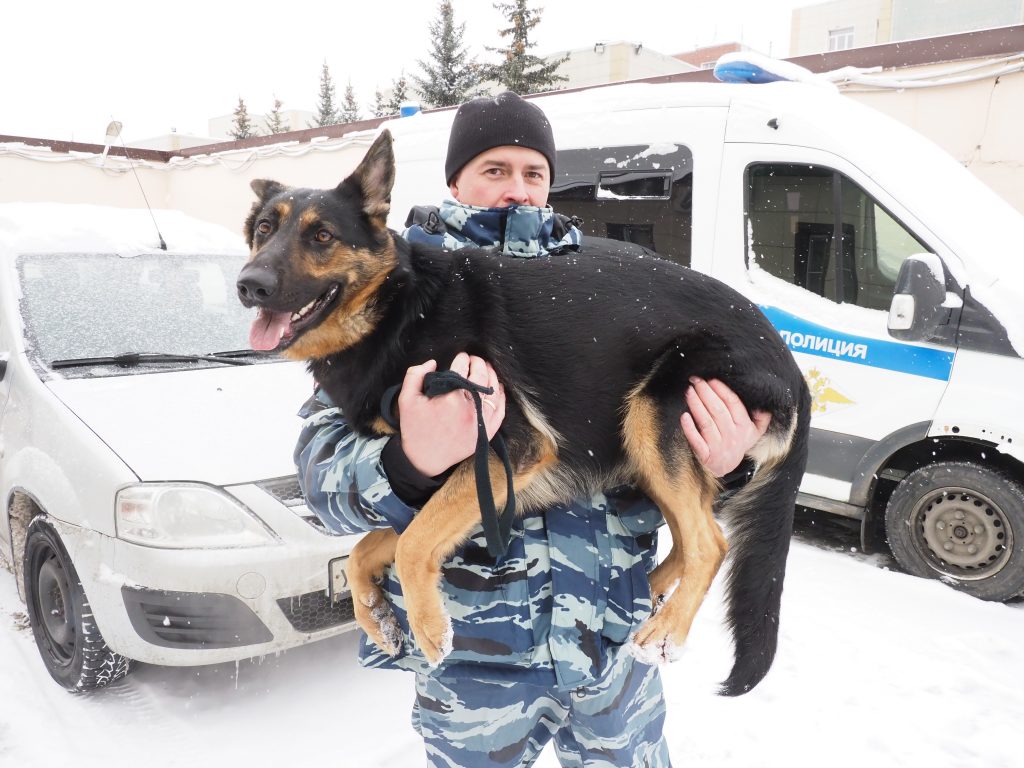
(793, 213)
(641, 194)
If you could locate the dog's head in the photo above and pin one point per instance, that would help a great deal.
(317, 257)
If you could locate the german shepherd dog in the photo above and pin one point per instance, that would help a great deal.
(594, 350)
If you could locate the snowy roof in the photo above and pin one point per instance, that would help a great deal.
(67, 227)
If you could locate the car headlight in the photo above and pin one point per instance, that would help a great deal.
(186, 516)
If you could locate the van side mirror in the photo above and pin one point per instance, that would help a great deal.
(916, 310)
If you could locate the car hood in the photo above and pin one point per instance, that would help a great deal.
(224, 425)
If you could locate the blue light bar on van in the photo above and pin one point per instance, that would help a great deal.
(739, 71)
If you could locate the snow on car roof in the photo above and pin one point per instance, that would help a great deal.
(79, 228)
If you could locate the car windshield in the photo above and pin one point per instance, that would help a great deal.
(77, 307)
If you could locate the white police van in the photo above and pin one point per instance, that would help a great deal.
(893, 274)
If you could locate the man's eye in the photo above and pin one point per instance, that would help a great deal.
(264, 227)
(323, 236)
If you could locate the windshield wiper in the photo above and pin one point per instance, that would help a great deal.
(238, 353)
(135, 359)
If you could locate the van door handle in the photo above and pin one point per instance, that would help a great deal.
(3, 368)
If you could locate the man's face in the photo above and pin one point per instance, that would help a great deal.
(504, 176)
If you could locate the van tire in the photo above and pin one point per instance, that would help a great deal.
(70, 643)
(963, 523)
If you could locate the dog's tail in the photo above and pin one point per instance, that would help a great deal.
(760, 521)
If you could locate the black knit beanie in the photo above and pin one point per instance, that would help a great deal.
(505, 120)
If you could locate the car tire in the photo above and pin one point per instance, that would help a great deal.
(70, 643)
(962, 523)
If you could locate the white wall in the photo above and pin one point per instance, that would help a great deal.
(978, 123)
(212, 188)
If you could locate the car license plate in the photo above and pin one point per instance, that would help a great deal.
(337, 581)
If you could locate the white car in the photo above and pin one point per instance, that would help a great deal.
(151, 507)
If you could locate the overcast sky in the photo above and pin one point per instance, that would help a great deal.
(67, 67)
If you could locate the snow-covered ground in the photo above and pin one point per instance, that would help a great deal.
(875, 668)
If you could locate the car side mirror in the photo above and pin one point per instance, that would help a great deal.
(3, 367)
(917, 304)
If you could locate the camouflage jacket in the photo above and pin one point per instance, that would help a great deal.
(572, 586)
(521, 230)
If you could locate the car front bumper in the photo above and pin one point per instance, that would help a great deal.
(191, 607)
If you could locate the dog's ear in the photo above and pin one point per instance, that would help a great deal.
(266, 188)
(375, 177)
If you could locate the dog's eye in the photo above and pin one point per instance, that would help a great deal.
(323, 236)
(264, 227)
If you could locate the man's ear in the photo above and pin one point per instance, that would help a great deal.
(266, 189)
(375, 177)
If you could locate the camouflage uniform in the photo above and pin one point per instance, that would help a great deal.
(538, 634)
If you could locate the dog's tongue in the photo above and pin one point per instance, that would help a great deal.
(267, 329)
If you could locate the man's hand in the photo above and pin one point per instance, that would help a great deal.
(439, 432)
(718, 427)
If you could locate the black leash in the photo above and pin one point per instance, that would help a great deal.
(497, 528)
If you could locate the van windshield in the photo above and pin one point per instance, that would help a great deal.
(78, 306)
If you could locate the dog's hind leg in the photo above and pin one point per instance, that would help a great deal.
(441, 526)
(364, 570)
(667, 471)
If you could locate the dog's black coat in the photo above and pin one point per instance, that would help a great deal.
(579, 331)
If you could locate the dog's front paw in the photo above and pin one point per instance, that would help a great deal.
(655, 642)
(433, 633)
(376, 619)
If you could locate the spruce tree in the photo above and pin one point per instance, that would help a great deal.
(450, 77)
(349, 112)
(379, 108)
(519, 71)
(241, 126)
(399, 93)
(326, 112)
(275, 122)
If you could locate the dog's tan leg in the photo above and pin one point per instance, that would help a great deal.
(365, 568)
(441, 526)
(699, 547)
(685, 493)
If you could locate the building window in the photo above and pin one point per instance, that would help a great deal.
(840, 39)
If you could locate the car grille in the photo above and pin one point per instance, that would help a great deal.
(314, 611)
(286, 490)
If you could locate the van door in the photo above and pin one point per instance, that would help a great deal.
(819, 249)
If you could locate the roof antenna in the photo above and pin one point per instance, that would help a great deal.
(114, 132)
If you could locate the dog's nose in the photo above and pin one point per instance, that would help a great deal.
(256, 283)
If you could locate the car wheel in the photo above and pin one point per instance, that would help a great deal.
(69, 641)
(962, 523)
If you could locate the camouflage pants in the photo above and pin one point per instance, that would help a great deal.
(615, 723)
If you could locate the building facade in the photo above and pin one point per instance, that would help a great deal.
(844, 24)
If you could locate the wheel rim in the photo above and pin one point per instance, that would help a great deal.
(961, 533)
(55, 608)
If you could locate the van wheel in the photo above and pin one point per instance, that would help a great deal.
(962, 523)
(68, 639)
